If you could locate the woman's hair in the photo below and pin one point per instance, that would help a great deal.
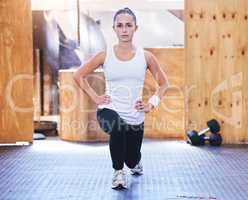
(125, 11)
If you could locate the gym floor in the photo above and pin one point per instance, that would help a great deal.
(53, 169)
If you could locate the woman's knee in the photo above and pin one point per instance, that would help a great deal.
(108, 120)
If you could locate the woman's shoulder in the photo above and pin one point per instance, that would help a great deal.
(95, 59)
(149, 57)
(148, 54)
(100, 55)
(144, 51)
(104, 55)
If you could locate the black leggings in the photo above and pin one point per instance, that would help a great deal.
(125, 139)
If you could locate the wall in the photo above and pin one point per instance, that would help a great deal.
(16, 71)
(216, 66)
(167, 121)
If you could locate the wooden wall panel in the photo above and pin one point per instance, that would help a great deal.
(77, 111)
(167, 121)
(16, 71)
(216, 45)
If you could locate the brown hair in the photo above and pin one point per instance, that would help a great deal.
(123, 11)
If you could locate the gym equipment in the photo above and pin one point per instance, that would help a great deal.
(199, 138)
(195, 139)
(215, 139)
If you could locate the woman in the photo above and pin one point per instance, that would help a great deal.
(121, 109)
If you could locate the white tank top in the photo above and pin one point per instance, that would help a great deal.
(124, 84)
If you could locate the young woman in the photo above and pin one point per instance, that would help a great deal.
(121, 110)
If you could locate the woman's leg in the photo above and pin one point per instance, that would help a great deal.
(134, 138)
(111, 123)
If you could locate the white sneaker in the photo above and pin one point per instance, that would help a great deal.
(119, 179)
(138, 169)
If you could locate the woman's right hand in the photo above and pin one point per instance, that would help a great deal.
(102, 99)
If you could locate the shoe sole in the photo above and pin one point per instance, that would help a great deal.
(134, 172)
(137, 173)
(119, 187)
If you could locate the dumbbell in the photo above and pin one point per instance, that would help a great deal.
(198, 138)
(214, 139)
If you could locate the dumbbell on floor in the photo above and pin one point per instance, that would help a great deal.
(199, 138)
(214, 139)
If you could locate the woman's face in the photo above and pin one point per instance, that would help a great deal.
(124, 27)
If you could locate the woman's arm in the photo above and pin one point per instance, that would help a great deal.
(158, 74)
(87, 68)
(161, 80)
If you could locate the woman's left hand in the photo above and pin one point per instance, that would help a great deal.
(142, 107)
